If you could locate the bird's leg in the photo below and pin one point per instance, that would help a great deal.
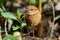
(33, 31)
(29, 31)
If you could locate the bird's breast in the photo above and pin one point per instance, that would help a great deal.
(34, 19)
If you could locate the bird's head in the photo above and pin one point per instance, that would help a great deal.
(32, 10)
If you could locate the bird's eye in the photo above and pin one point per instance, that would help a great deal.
(31, 9)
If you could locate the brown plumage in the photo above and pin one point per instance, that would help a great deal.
(33, 18)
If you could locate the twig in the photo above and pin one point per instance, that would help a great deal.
(0, 34)
(3, 7)
(52, 28)
(6, 27)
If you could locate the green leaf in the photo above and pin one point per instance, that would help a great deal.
(18, 14)
(32, 2)
(56, 18)
(44, 1)
(15, 28)
(23, 24)
(1, 10)
(8, 15)
(10, 37)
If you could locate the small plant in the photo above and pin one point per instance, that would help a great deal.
(8, 15)
(22, 23)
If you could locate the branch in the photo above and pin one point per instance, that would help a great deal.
(6, 27)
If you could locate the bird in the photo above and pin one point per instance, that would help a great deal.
(33, 18)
